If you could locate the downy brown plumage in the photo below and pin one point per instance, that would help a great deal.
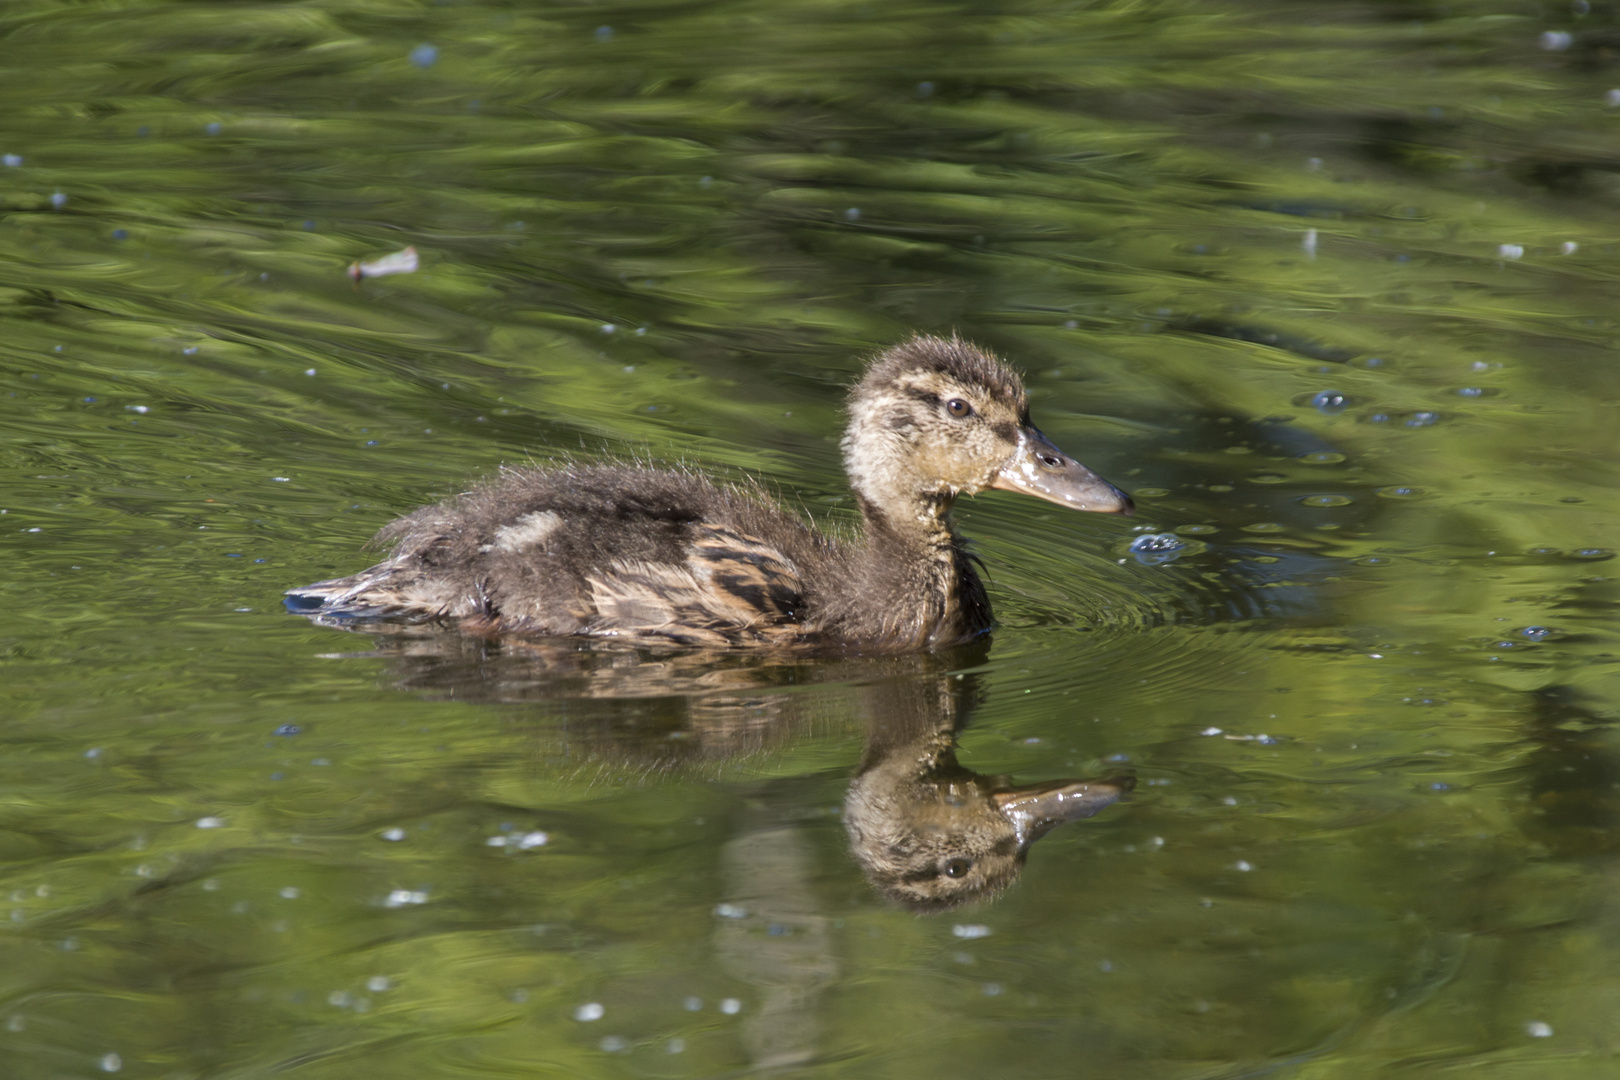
(645, 554)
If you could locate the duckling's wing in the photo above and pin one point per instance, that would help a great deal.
(731, 588)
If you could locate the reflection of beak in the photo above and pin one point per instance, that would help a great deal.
(1040, 469)
(1034, 811)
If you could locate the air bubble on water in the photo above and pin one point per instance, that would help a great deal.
(589, 1012)
(1330, 401)
(1537, 633)
(1153, 549)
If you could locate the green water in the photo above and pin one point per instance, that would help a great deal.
(236, 844)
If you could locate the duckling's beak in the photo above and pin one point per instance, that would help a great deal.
(1040, 469)
(1036, 810)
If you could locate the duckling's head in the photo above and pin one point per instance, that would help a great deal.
(934, 418)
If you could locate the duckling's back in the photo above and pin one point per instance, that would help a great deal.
(602, 550)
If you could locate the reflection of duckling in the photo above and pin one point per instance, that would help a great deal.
(932, 834)
(643, 554)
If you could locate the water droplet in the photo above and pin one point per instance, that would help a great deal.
(1156, 548)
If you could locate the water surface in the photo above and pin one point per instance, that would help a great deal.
(1329, 287)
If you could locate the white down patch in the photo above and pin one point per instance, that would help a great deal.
(528, 531)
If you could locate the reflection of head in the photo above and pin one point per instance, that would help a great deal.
(943, 836)
(931, 834)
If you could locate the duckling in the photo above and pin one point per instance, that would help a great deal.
(646, 555)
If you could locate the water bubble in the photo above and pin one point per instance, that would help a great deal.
(287, 729)
(58, 200)
(1538, 1030)
(614, 1044)
(1472, 391)
(589, 1012)
(212, 127)
(852, 214)
(1593, 553)
(692, 1004)
(1150, 493)
(11, 161)
(1322, 457)
(1263, 527)
(1330, 401)
(112, 1062)
(675, 1046)
(378, 983)
(1400, 492)
(924, 89)
(970, 931)
(731, 911)
(393, 834)
(1556, 40)
(424, 55)
(1423, 419)
(1326, 500)
(1156, 548)
(1537, 633)
(731, 1006)
(210, 823)
(1195, 530)
(1243, 865)
(604, 33)
(1372, 560)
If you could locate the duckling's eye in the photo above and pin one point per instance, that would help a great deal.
(958, 408)
(957, 867)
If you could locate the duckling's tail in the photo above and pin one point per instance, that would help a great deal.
(359, 596)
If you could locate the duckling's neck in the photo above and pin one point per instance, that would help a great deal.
(913, 574)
